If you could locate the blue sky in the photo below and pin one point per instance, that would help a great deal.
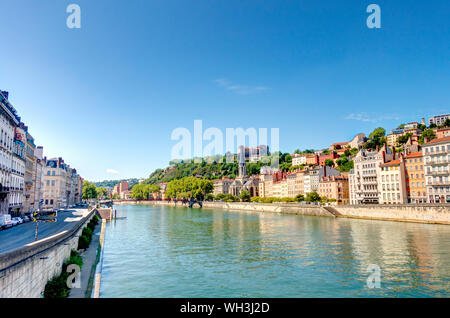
(109, 95)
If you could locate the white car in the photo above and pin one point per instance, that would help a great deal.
(14, 222)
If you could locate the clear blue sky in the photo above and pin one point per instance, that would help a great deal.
(107, 96)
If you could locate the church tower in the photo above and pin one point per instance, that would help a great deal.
(242, 166)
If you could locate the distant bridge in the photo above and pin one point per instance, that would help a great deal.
(108, 203)
(194, 201)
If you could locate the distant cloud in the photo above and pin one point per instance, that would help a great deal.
(239, 89)
(372, 119)
(112, 171)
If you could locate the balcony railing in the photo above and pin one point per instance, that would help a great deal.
(437, 162)
(437, 173)
(438, 183)
(439, 152)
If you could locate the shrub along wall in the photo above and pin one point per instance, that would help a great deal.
(57, 286)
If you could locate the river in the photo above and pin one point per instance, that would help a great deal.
(180, 252)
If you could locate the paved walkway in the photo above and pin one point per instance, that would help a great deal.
(89, 260)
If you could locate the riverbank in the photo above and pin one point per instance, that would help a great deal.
(420, 213)
(90, 259)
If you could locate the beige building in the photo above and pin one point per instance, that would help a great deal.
(222, 186)
(335, 187)
(392, 184)
(298, 159)
(62, 185)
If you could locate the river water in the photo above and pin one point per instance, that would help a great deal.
(181, 252)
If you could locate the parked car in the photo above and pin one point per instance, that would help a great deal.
(5, 221)
(26, 219)
(14, 222)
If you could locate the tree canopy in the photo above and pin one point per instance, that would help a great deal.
(189, 187)
(89, 190)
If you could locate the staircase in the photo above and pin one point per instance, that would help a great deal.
(332, 211)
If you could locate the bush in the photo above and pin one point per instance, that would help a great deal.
(83, 242)
(74, 258)
(87, 232)
(255, 199)
(56, 287)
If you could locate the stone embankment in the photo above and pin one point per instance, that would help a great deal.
(422, 213)
(24, 272)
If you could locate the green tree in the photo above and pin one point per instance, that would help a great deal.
(140, 191)
(329, 163)
(299, 198)
(101, 193)
(404, 139)
(313, 197)
(244, 196)
(427, 133)
(446, 123)
(89, 190)
(189, 187)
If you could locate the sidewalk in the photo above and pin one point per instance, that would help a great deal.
(89, 261)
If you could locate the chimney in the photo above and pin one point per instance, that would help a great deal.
(324, 171)
(384, 156)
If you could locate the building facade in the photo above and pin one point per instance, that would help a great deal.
(415, 178)
(436, 155)
(363, 181)
(438, 119)
(8, 121)
(335, 188)
(392, 183)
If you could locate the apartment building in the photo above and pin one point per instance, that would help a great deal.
(8, 121)
(442, 132)
(253, 154)
(17, 184)
(363, 180)
(295, 184)
(436, 155)
(312, 177)
(392, 138)
(336, 188)
(222, 186)
(438, 119)
(415, 178)
(392, 183)
(62, 184)
(298, 159)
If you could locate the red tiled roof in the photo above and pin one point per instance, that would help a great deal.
(414, 155)
(392, 162)
(438, 140)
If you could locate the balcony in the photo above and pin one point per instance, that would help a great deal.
(438, 183)
(439, 152)
(437, 162)
(437, 173)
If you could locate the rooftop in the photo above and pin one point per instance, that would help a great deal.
(437, 141)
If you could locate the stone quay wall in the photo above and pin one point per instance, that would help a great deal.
(422, 213)
(24, 272)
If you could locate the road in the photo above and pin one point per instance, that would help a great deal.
(23, 234)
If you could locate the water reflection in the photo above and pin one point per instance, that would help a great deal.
(181, 252)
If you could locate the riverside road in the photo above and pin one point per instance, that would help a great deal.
(24, 234)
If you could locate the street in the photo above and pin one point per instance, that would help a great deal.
(23, 234)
